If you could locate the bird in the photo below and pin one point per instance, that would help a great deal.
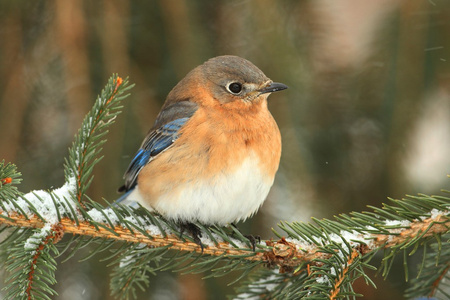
(214, 149)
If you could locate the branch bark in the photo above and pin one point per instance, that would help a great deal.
(284, 254)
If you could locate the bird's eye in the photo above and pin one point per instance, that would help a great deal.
(235, 87)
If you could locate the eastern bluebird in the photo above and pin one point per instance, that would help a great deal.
(214, 149)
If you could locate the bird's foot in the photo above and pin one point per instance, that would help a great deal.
(194, 231)
(253, 239)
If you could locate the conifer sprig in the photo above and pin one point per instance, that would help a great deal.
(85, 151)
(9, 178)
(318, 260)
(30, 261)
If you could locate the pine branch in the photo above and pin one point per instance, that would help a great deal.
(319, 260)
(48, 207)
(320, 246)
(32, 271)
(432, 272)
(9, 178)
(317, 246)
(284, 253)
(443, 272)
(84, 153)
(339, 280)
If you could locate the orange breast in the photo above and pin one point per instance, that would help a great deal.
(217, 139)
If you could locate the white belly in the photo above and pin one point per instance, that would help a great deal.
(219, 200)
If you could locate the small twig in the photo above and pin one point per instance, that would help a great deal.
(438, 224)
(55, 236)
(438, 280)
(81, 164)
(343, 275)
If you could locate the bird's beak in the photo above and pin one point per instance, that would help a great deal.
(273, 87)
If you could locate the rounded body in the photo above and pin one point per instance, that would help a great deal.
(219, 170)
(214, 149)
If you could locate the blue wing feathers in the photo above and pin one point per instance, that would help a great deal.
(139, 161)
(173, 116)
(165, 136)
(156, 142)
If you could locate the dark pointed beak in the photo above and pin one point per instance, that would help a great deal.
(273, 87)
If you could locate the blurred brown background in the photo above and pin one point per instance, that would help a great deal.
(367, 114)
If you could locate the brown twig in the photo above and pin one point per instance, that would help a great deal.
(284, 254)
(119, 82)
(343, 275)
(57, 233)
(438, 280)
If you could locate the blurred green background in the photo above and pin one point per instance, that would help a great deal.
(366, 115)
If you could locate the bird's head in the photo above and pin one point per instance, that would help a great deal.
(232, 78)
(227, 79)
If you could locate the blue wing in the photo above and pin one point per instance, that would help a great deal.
(156, 142)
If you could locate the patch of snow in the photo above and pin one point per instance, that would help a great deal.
(435, 213)
(401, 223)
(323, 280)
(353, 238)
(44, 202)
(104, 215)
(301, 244)
(207, 241)
(127, 260)
(33, 242)
(150, 228)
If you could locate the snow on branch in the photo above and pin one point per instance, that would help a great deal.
(57, 207)
(323, 257)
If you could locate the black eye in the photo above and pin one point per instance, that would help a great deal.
(235, 87)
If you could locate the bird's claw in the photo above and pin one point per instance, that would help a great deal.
(253, 239)
(194, 231)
